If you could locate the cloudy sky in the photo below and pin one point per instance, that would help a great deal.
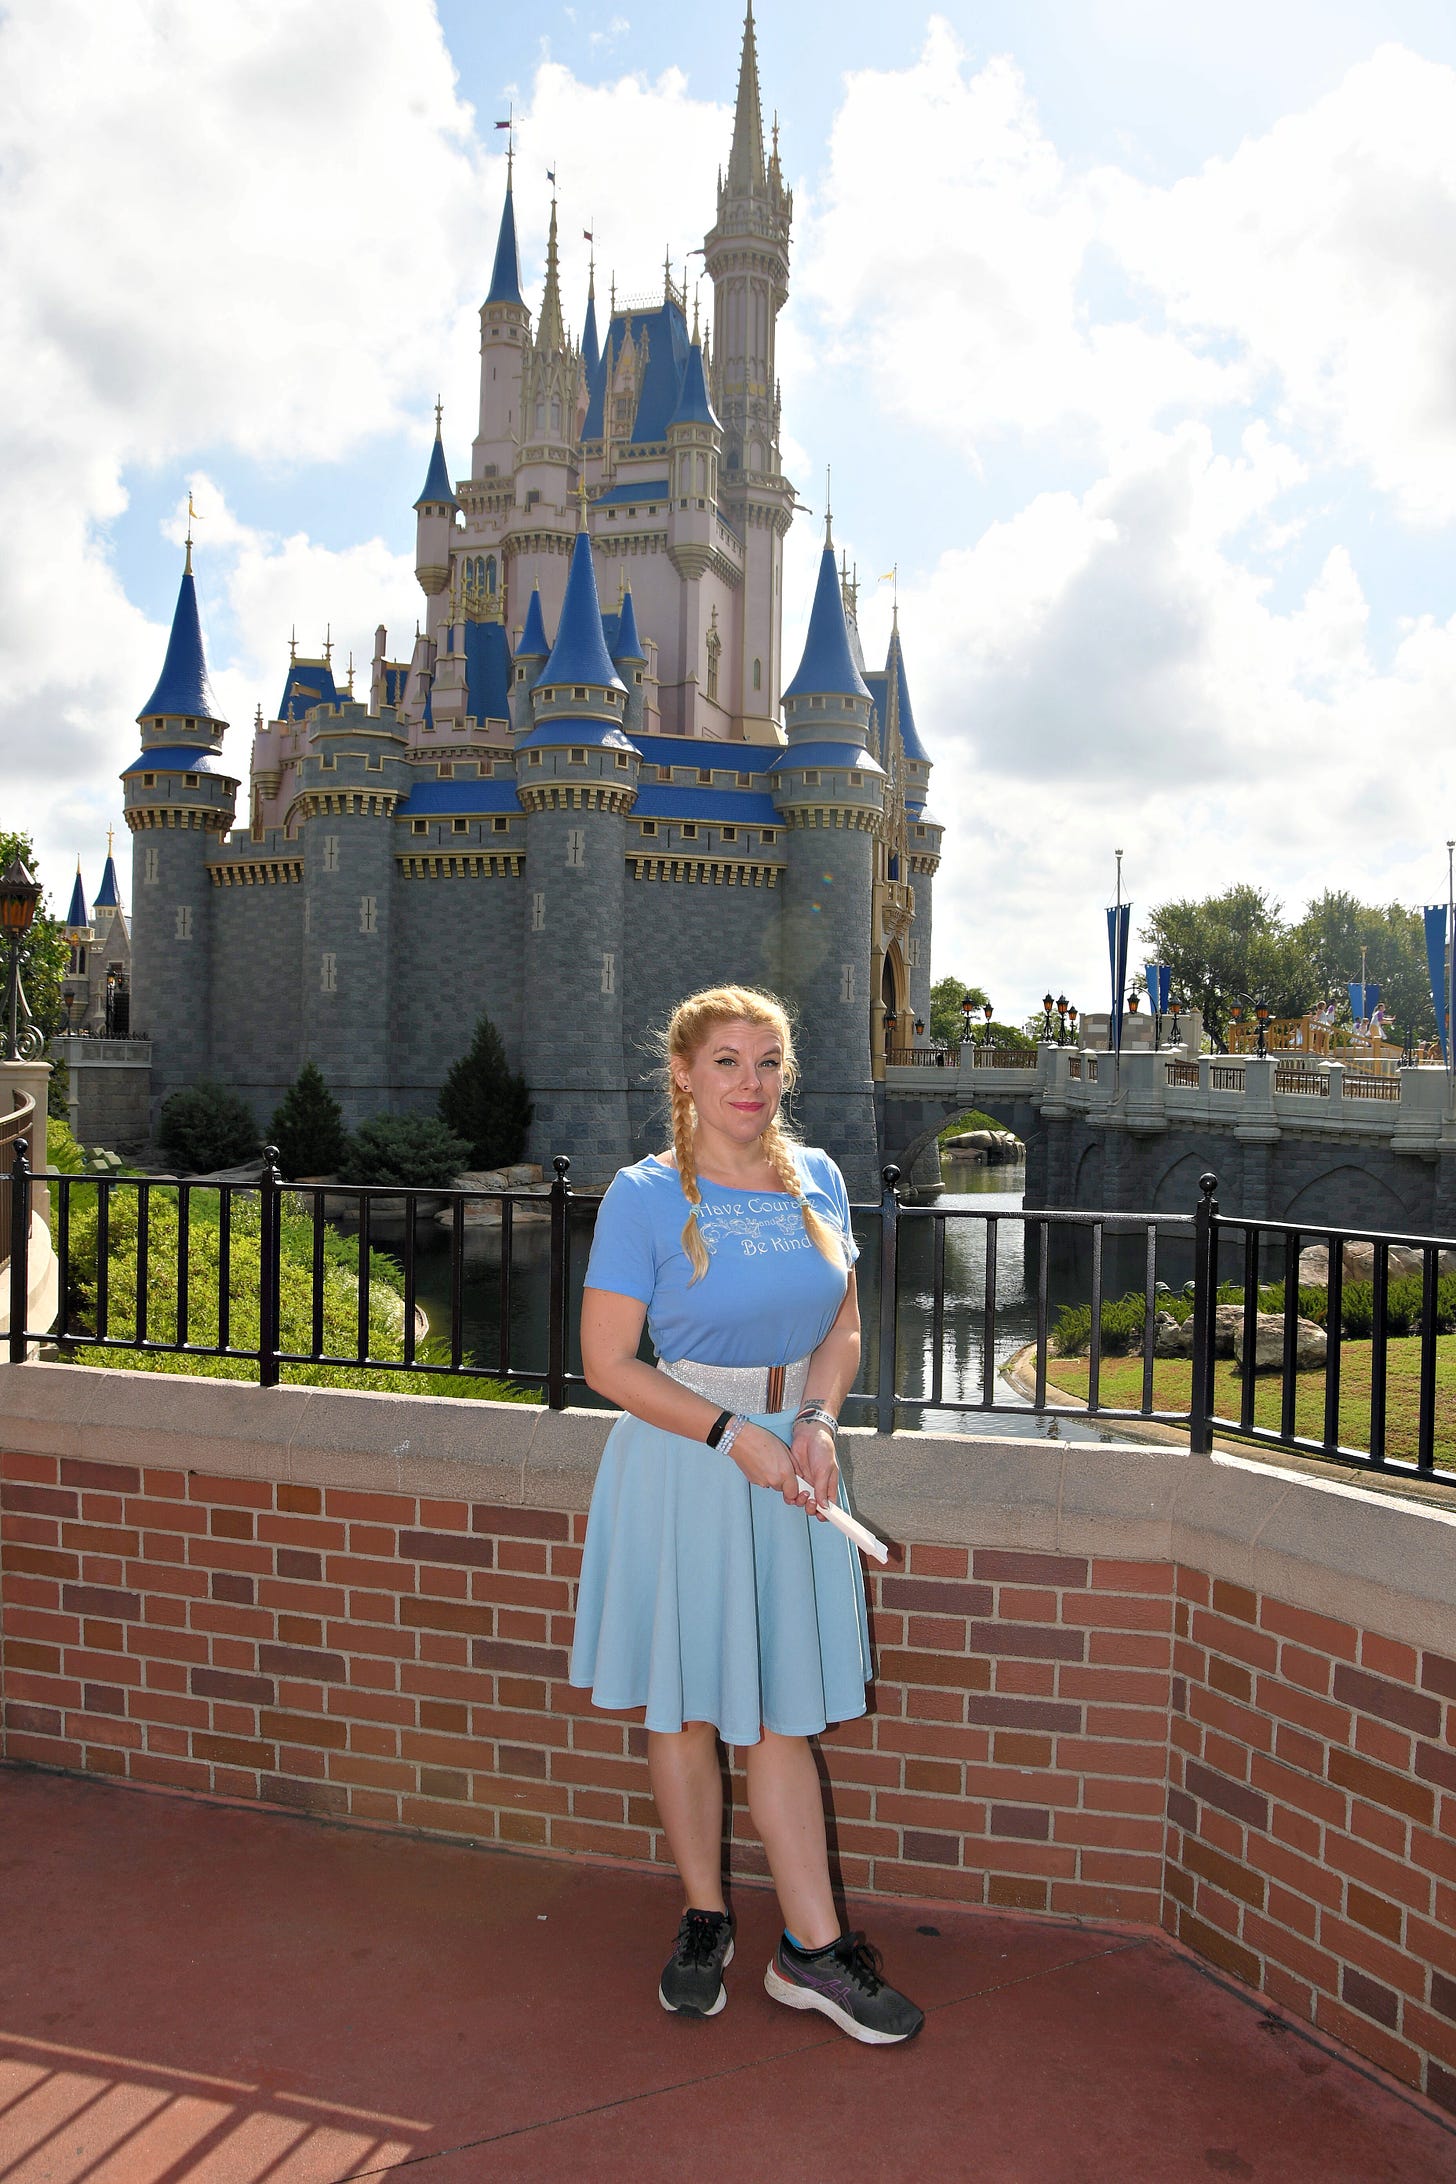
(1129, 330)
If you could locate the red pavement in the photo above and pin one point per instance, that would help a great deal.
(193, 1991)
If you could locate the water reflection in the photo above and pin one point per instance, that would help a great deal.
(962, 1347)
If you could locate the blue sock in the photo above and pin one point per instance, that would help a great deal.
(802, 1949)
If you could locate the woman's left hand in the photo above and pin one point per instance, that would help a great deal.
(813, 1450)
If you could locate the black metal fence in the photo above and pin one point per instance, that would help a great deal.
(948, 1294)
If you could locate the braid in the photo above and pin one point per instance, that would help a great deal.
(684, 1134)
(778, 1152)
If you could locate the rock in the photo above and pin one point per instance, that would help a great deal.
(1309, 1343)
(520, 1177)
(1358, 1263)
(1228, 1318)
(1172, 1338)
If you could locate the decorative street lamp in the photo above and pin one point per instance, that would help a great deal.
(1072, 1021)
(967, 1006)
(986, 1011)
(1132, 1004)
(19, 895)
(1175, 1010)
(1047, 1005)
(70, 1000)
(920, 1027)
(891, 1020)
(1236, 1015)
(1061, 1019)
(1261, 1017)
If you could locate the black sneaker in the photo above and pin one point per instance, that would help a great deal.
(692, 1983)
(847, 1984)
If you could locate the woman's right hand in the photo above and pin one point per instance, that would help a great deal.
(764, 1461)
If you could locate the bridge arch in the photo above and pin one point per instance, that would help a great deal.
(1328, 1198)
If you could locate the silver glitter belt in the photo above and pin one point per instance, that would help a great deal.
(762, 1388)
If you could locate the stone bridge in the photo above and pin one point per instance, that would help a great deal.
(1287, 1140)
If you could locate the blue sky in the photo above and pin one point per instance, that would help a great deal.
(1126, 328)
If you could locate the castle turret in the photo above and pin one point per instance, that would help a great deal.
(829, 790)
(576, 777)
(913, 843)
(180, 797)
(630, 661)
(747, 257)
(529, 658)
(78, 922)
(434, 520)
(552, 400)
(505, 331)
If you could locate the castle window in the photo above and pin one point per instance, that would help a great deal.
(705, 777)
(490, 573)
(374, 765)
(151, 867)
(533, 758)
(811, 777)
(689, 834)
(609, 974)
(622, 757)
(578, 757)
(419, 826)
(149, 780)
(445, 771)
(745, 781)
(538, 912)
(576, 846)
(328, 765)
(78, 963)
(649, 826)
(920, 834)
(856, 781)
(331, 853)
(190, 780)
(579, 690)
(846, 981)
(768, 837)
(189, 724)
(184, 921)
(637, 677)
(328, 972)
(556, 416)
(729, 834)
(368, 913)
(533, 496)
(459, 826)
(500, 825)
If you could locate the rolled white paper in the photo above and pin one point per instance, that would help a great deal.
(850, 1526)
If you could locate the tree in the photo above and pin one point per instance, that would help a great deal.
(1229, 948)
(485, 1102)
(308, 1127)
(204, 1127)
(44, 954)
(413, 1151)
(947, 1019)
(1334, 929)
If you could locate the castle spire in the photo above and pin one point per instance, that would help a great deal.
(437, 491)
(183, 688)
(591, 348)
(827, 668)
(550, 327)
(108, 894)
(745, 161)
(76, 918)
(580, 654)
(505, 279)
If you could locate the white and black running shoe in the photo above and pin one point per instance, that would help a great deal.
(846, 1983)
(692, 1983)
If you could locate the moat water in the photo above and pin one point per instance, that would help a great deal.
(982, 1190)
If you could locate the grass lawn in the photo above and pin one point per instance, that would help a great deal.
(1122, 1386)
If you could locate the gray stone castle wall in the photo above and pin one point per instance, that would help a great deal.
(254, 1004)
(455, 957)
(827, 919)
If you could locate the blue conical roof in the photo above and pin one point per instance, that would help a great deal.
(693, 405)
(827, 668)
(591, 348)
(627, 649)
(505, 278)
(533, 644)
(909, 733)
(76, 918)
(108, 894)
(580, 654)
(437, 486)
(183, 687)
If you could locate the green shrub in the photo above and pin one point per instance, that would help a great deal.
(308, 1127)
(412, 1150)
(204, 1126)
(1123, 1317)
(485, 1102)
(62, 1152)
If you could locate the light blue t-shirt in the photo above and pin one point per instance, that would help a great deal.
(769, 1295)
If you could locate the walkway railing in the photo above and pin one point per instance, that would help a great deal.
(948, 1294)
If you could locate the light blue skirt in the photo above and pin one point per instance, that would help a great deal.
(704, 1598)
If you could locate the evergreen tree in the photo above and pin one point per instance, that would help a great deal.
(485, 1102)
(408, 1150)
(204, 1127)
(308, 1127)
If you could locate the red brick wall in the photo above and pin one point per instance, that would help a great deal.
(1054, 1731)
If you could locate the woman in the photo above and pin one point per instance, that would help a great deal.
(713, 1592)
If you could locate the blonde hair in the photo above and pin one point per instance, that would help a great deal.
(691, 1024)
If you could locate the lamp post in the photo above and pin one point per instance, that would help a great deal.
(1236, 1017)
(920, 1027)
(967, 1030)
(1072, 1022)
(1175, 1010)
(1261, 1018)
(1061, 1019)
(1047, 1005)
(987, 1012)
(70, 1000)
(19, 895)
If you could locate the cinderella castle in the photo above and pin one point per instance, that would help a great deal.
(587, 788)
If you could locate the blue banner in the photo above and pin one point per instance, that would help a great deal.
(1118, 921)
(1434, 917)
(1160, 986)
(1364, 1000)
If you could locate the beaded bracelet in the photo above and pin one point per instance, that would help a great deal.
(730, 1434)
(817, 1414)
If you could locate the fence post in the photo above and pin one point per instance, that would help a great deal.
(889, 1260)
(556, 1296)
(19, 1251)
(1205, 1317)
(270, 1272)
